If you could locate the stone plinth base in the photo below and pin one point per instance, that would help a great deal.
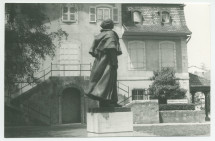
(109, 120)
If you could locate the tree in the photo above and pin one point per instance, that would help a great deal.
(27, 41)
(165, 86)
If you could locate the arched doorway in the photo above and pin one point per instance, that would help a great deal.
(71, 106)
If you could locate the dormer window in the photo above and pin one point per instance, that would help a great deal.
(137, 17)
(165, 17)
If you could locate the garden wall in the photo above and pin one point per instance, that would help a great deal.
(144, 112)
(182, 116)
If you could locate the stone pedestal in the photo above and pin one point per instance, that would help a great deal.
(110, 122)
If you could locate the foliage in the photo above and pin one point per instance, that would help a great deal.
(165, 107)
(165, 86)
(27, 41)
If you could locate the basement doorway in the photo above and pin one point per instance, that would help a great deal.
(71, 106)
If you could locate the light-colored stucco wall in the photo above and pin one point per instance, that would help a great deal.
(83, 31)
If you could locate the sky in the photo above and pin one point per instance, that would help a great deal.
(198, 21)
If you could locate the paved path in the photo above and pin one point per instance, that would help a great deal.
(79, 130)
(66, 130)
(173, 129)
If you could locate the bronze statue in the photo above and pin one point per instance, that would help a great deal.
(103, 78)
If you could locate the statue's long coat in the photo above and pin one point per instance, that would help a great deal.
(103, 76)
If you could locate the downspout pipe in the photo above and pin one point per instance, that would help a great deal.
(189, 37)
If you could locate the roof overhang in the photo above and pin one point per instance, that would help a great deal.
(142, 30)
(132, 33)
(198, 83)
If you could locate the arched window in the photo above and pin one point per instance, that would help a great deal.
(167, 54)
(137, 60)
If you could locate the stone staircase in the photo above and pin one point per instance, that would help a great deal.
(29, 108)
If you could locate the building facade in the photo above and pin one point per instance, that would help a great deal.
(152, 36)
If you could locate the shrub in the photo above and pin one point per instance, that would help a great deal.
(165, 107)
(165, 86)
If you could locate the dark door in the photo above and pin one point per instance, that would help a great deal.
(71, 106)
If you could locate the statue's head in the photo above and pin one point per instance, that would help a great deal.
(107, 24)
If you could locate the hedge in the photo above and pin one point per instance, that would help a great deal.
(165, 107)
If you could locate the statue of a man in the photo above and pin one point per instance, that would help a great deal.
(103, 78)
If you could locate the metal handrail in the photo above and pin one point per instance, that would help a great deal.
(125, 100)
(122, 84)
(50, 71)
(125, 89)
(29, 83)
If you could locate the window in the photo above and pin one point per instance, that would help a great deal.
(137, 17)
(139, 94)
(137, 55)
(103, 13)
(69, 13)
(165, 17)
(167, 54)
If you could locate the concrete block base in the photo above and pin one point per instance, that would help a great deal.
(109, 120)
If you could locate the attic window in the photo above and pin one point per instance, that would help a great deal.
(137, 17)
(165, 17)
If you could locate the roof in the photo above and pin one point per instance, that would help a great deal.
(196, 80)
(156, 30)
(198, 83)
(197, 68)
(151, 24)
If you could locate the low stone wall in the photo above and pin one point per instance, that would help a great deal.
(182, 116)
(144, 111)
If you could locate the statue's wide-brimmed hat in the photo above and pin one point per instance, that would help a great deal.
(107, 24)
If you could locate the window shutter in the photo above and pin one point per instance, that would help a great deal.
(72, 12)
(92, 14)
(65, 14)
(167, 53)
(115, 15)
(137, 55)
